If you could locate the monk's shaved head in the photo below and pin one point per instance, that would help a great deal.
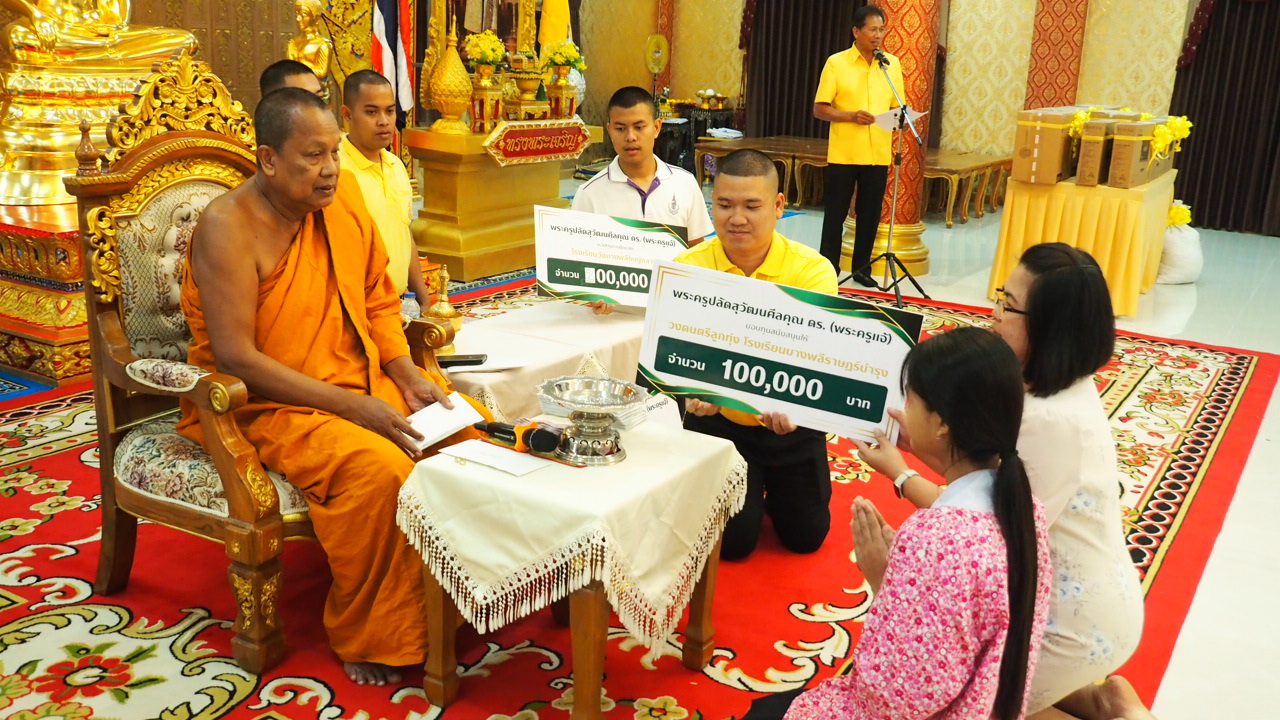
(273, 119)
(298, 141)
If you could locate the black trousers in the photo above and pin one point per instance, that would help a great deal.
(841, 181)
(787, 476)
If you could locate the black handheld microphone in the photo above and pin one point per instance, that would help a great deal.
(880, 57)
(521, 437)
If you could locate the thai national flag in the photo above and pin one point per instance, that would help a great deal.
(392, 48)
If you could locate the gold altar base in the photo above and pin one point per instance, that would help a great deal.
(477, 216)
(43, 107)
(906, 245)
(43, 334)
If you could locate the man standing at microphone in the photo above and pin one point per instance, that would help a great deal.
(851, 92)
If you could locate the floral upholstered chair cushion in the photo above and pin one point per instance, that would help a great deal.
(153, 458)
(153, 252)
(165, 374)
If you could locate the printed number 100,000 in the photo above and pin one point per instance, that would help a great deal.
(782, 382)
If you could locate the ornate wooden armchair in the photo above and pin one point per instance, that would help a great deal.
(180, 142)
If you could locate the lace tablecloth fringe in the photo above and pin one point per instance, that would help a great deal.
(574, 564)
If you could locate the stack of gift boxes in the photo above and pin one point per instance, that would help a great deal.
(1096, 145)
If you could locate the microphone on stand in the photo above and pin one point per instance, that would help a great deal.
(880, 57)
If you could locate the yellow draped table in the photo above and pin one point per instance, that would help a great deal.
(1123, 229)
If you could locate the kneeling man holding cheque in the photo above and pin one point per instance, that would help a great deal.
(787, 471)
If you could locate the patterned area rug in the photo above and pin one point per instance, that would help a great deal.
(1184, 416)
(15, 386)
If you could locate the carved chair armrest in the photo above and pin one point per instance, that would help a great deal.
(426, 335)
(252, 499)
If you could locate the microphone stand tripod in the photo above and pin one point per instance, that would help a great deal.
(892, 263)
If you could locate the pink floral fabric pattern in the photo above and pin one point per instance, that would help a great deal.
(933, 640)
(156, 460)
(165, 374)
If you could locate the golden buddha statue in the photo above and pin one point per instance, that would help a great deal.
(70, 60)
(52, 32)
(311, 48)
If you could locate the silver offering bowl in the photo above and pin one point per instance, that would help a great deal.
(591, 403)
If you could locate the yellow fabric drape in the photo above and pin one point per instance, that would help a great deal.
(555, 21)
(1123, 229)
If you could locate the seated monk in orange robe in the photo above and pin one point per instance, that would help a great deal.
(287, 289)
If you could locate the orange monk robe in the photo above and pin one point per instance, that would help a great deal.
(329, 310)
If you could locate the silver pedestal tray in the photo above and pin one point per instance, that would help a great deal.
(591, 403)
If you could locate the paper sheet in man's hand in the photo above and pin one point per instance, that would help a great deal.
(435, 422)
(888, 120)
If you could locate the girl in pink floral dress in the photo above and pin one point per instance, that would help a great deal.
(962, 588)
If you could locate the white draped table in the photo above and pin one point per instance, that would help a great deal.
(553, 339)
(642, 536)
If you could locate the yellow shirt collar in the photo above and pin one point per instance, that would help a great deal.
(774, 260)
(361, 161)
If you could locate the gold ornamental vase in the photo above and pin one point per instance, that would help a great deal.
(451, 91)
(486, 99)
(560, 75)
(444, 310)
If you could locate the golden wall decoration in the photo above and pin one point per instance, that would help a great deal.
(238, 38)
(988, 57)
(1131, 52)
(612, 37)
(703, 54)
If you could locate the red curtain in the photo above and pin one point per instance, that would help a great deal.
(1229, 169)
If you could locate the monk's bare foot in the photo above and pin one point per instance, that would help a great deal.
(1122, 702)
(367, 673)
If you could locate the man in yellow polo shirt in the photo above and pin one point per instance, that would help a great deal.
(787, 472)
(851, 92)
(369, 109)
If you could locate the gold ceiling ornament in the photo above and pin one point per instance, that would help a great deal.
(100, 222)
(182, 94)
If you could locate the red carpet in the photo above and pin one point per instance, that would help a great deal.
(1186, 416)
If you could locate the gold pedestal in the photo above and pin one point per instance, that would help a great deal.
(906, 245)
(477, 216)
(42, 109)
(43, 334)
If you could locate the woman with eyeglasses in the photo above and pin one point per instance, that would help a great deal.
(1055, 312)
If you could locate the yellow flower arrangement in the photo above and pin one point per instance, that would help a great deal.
(484, 48)
(1179, 214)
(1169, 136)
(562, 53)
(1079, 119)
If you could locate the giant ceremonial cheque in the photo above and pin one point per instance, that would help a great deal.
(828, 362)
(585, 256)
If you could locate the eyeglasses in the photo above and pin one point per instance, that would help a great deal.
(1002, 304)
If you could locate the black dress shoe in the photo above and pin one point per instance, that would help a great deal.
(864, 280)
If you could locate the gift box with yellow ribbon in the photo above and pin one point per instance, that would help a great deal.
(1044, 150)
(1131, 154)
